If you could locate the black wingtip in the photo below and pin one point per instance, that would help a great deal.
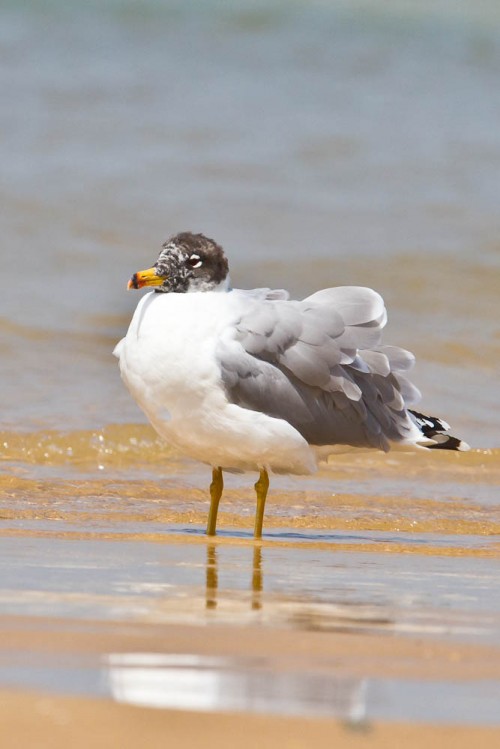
(448, 443)
(437, 430)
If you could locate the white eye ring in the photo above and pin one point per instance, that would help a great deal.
(192, 261)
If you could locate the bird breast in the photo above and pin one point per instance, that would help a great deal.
(167, 358)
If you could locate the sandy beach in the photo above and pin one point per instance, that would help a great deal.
(40, 722)
(369, 618)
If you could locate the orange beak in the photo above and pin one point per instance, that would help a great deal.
(145, 278)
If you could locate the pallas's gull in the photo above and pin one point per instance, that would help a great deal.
(255, 381)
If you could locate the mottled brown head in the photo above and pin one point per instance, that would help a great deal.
(187, 262)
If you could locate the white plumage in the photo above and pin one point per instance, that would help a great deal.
(168, 362)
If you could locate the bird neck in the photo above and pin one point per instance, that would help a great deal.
(224, 286)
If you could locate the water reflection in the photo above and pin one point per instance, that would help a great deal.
(269, 685)
(257, 578)
(212, 578)
(188, 681)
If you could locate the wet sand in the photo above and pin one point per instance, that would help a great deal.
(129, 715)
(41, 721)
(368, 615)
(143, 666)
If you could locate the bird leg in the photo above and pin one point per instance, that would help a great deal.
(216, 488)
(261, 487)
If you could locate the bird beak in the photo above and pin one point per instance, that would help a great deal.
(145, 278)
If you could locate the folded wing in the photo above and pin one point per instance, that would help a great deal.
(319, 364)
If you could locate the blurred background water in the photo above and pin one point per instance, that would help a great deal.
(320, 143)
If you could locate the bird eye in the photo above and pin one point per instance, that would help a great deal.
(194, 261)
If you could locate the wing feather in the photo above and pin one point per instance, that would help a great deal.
(319, 364)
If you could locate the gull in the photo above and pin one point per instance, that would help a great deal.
(251, 380)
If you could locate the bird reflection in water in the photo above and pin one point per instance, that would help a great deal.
(212, 578)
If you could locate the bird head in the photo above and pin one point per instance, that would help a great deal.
(187, 262)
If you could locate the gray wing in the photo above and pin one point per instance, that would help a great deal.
(319, 365)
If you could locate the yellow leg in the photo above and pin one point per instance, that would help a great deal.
(261, 488)
(216, 488)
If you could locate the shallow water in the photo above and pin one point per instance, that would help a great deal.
(390, 569)
(403, 630)
(319, 143)
(322, 144)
